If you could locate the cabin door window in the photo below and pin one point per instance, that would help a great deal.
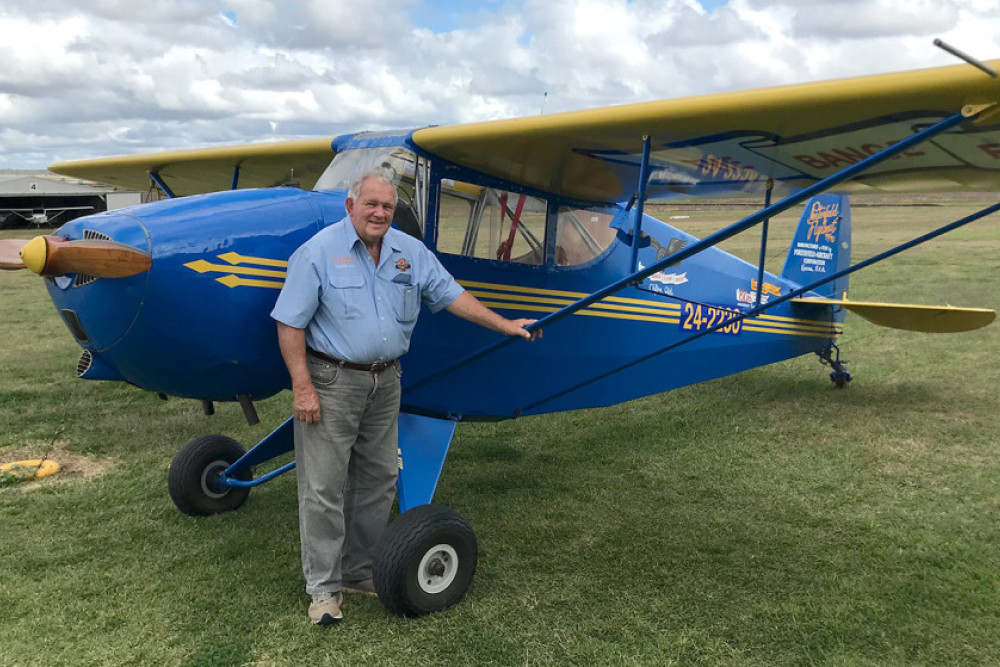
(487, 223)
(582, 234)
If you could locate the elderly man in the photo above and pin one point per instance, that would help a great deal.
(345, 315)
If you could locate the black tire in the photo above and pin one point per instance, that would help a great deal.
(191, 471)
(425, 561)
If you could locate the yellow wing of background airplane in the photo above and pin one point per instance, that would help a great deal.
(700, 145)
(194, 171)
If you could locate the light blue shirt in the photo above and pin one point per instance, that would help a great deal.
(353, 310)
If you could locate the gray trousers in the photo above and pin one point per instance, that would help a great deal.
(346, 467)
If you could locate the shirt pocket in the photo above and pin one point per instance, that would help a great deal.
(406, 302)
(344, 298)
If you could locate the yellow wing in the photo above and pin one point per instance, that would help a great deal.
(736, 141)
(928, 319)
(194, 171)
(701, 145)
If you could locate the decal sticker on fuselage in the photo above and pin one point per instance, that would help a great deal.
(662, 283)
(698, 317)
(675, 244)
(748, 297)
(239, 266)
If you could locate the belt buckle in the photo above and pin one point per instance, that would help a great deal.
(379, 366)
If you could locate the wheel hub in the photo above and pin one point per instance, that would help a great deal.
(210, 479)
(437, 569)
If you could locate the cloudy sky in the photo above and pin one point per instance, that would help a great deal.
(107, 77)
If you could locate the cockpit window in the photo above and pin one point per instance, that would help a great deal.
(408, 172)
(582, 234)
(476, 221)
(473, 220)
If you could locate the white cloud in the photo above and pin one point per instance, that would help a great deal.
(117, 76)
(859, 19)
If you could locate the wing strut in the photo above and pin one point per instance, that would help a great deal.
(723, 234)
(791, 295)
(763, 243)
(162, 185)
(641, 201)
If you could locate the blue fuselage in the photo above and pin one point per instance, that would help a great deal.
(197, 324)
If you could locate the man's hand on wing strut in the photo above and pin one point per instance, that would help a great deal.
(520, 328)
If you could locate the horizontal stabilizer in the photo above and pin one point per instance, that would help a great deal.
(928, 319)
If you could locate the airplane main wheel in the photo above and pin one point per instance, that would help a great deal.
(194, 471)
(425, 561)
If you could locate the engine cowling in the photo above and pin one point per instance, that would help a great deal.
(197, 323)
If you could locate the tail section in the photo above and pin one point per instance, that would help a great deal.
(822, 244)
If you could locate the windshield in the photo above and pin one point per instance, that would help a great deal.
(408, 173)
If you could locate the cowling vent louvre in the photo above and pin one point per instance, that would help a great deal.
(84, 364)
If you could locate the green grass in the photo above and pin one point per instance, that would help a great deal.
(761, 519)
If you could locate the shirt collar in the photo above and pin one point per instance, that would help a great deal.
(390, 240)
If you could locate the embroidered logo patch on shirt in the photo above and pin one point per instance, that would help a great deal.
(402, 265)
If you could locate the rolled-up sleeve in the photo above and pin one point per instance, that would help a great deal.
(438, 288)
(300, 295)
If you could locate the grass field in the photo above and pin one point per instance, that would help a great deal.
(761, 519)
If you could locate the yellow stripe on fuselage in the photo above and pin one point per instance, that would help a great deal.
(831, 331)
(534, 299)
(651, 308)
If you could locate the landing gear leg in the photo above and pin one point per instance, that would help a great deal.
(831, 357)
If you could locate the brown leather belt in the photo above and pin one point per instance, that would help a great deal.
(377, 367)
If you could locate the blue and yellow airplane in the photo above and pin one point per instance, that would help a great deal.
(538, 217)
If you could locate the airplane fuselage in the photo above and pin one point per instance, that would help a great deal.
(197, 324)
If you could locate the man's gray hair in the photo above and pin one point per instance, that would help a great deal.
(378, 175)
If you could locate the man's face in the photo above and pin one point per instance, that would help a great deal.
(372, 212)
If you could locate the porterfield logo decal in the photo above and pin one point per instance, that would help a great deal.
(815, 254)
(243, 271)
(823, 222)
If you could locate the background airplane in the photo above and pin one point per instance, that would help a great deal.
(41, 217)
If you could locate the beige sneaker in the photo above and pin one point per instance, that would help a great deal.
(325, 608)
(365, 587)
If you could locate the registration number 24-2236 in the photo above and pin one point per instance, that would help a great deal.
(697, 317)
